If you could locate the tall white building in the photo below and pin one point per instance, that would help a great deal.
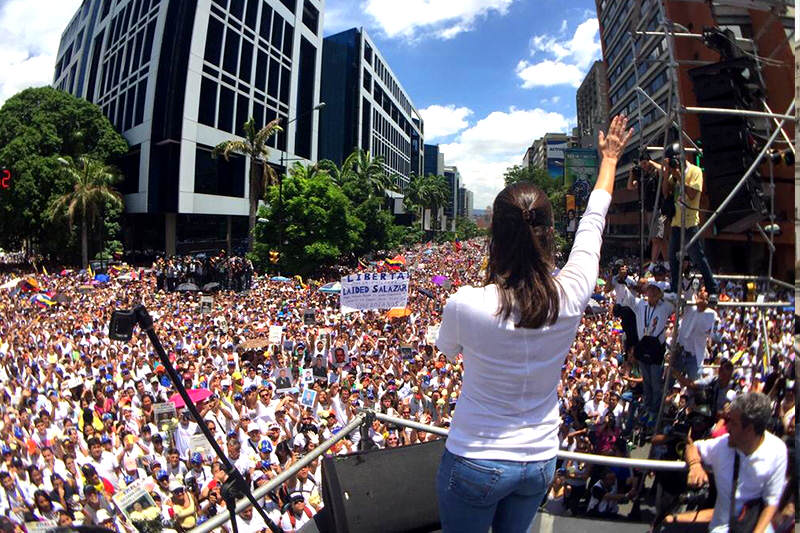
(177, 77)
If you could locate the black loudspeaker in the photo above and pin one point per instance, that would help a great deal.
(728, 147)
(393, 489)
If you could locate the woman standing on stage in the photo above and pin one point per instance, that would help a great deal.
(513, 334)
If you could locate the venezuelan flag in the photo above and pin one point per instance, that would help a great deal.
(43, 299)
(396, 262)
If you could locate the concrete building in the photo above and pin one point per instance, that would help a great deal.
(742, 252)
(592, 106)
(548, 153)
(465, 203)
(367, 107)
(178, 77)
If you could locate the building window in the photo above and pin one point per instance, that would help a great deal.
(218, 176)
(225, 112)
(230, 62)
(246, 61)
(291, 5)
(310, 16)
(252, 14)
(214, 41)
(367, 53)
(236, 9)
(207, 110)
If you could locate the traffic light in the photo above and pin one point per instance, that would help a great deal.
(274, 255)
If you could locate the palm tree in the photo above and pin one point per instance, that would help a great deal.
(370, 173)
(434, 193)
(413, 200)
(253, 146)
(299, 170)
(337, 174)
(92, 188)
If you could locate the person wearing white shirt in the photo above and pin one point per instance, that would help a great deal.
(762, 459)
(652, 316)
(693, 332)
(514, 334)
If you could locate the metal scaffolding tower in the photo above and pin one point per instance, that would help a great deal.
(674, 117)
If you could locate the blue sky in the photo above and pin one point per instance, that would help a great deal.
(488, 76)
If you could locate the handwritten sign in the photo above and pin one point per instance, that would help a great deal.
(367, 290)
(432, 334)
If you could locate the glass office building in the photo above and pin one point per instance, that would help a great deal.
(177, 77)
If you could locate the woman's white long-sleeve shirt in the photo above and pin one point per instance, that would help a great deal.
(508, 408)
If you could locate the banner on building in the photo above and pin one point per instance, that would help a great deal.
(580, 172)
(374, 290)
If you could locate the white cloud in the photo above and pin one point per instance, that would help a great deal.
(444, 19)
(483, 151)
(30, 31)
(443, 121)
(570, 60)
(548, 73)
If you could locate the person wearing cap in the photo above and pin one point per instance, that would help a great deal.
(96, 507)
(652, 318)
(200, 472)
(183, 507)
(297, 513)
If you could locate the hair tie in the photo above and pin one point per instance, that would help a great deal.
(529, 216)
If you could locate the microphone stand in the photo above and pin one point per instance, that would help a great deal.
(235, 486)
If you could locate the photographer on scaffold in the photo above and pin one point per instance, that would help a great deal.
(671, 191)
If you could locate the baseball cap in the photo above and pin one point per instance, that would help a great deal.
(197, 458)
(162, 474)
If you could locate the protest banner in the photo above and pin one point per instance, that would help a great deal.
(275, 334)
(42, 526)
(372, 290)
(132, 500)
(166, 417)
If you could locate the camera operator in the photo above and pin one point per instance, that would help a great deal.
(642, 175)
(713, 390)
(749, 465)
(670, 190)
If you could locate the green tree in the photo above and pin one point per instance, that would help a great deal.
(467, 229)
(37, 127)
(254, 147)
(320, 228)
(365, 177)
(92, 188)
(435, 193)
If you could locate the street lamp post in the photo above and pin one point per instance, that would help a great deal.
(280, 181)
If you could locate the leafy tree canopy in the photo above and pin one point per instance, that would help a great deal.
(37, 126)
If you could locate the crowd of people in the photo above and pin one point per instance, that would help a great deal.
(81, 414)
(227, 272)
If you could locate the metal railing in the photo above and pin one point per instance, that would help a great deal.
(364, 416)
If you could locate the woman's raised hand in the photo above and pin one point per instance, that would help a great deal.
(612, 144)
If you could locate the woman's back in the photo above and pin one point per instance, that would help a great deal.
(508, 405)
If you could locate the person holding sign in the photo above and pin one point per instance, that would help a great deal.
(513, 334)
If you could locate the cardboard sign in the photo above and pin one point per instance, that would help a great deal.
(133, 500)
(406, 352)
(166, 416)
(275, 334)
(372, 290)
(199, 443)
(309, 317)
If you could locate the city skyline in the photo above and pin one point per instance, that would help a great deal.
(536, 53)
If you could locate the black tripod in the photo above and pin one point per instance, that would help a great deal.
(235, 486)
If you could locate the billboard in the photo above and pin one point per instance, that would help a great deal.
(580, 172)
(555, 158)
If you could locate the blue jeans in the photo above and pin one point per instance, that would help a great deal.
(475, 494)
(687, 365)
(653, 386)
(697, 255)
